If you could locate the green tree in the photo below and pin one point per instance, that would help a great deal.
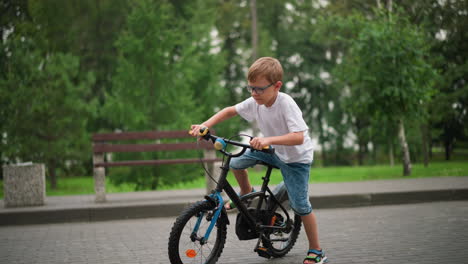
(445, 24)
(308, 56)
(389, 74)
(87, 29)
(43, 110)
(167, 77)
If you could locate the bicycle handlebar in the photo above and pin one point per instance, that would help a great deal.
(221, 143)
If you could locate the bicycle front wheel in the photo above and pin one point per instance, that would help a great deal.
(186, 241)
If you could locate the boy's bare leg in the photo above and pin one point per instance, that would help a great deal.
(242, 178)
(310, 226)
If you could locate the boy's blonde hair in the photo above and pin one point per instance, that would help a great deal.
(267, 67)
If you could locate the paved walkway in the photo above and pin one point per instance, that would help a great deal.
(412, 233)
(82, 208)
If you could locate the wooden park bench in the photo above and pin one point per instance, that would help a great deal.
(102, 145)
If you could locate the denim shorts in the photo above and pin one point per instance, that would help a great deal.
(295, 175)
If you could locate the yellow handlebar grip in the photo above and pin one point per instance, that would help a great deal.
(203, 131)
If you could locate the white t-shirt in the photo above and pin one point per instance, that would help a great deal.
(283, 117)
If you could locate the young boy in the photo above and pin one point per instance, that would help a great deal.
(280, 121)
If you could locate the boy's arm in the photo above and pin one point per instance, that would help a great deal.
(290, 139)
(222, 115)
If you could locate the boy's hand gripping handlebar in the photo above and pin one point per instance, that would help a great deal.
(221, 143)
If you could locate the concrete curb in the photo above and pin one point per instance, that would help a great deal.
(90, 214)
(171, 209)
(373, 199)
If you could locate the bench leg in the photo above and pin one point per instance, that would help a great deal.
(212, 168)
(99, 179)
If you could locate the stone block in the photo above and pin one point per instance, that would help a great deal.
(24, 185)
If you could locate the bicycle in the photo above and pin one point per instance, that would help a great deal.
(264, 215)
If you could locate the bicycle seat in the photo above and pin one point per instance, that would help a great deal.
(266, 164)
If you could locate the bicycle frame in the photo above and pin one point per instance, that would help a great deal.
(224, 185)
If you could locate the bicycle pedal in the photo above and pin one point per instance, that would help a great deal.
(263, 252)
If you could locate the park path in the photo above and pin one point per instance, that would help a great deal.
(434, 232)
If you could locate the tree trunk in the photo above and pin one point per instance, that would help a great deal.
(1, 164)
(374, 151)
(322, 137)
(254, 43)
(253, 13)
(391, 155)
(361, 153)
(154, 183)
(362, 144)
(424, 132)
(404, 149)
(390, 5)
(324, 156)
(448, 148)
(52, 175)
(430, 144)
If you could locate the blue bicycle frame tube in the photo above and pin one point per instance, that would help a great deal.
(197, 224)
(217, 196)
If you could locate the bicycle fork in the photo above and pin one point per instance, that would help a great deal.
(218, 199)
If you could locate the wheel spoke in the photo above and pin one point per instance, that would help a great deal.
(279, 242)
(194, 251)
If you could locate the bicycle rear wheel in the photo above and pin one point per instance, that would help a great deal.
(280, 242)
(187, 246)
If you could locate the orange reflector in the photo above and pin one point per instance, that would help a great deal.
(273, 220)
(190, 253)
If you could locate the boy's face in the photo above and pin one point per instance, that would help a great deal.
(266, 96)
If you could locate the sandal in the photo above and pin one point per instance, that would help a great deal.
(319, 257)
(231, 204)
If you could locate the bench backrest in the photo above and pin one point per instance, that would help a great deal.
(101, 145)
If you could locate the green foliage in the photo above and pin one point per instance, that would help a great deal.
(159, 65)
(309, 55)
(383, 73)
(43, 114)
(388, 70)
(87, 29)
(448, 24)
(388, 73)
(167, 78)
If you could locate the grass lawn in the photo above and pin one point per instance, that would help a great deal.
(364, 173)
(85, 185)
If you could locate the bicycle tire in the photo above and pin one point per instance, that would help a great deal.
(183, 250)
(278, 250)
